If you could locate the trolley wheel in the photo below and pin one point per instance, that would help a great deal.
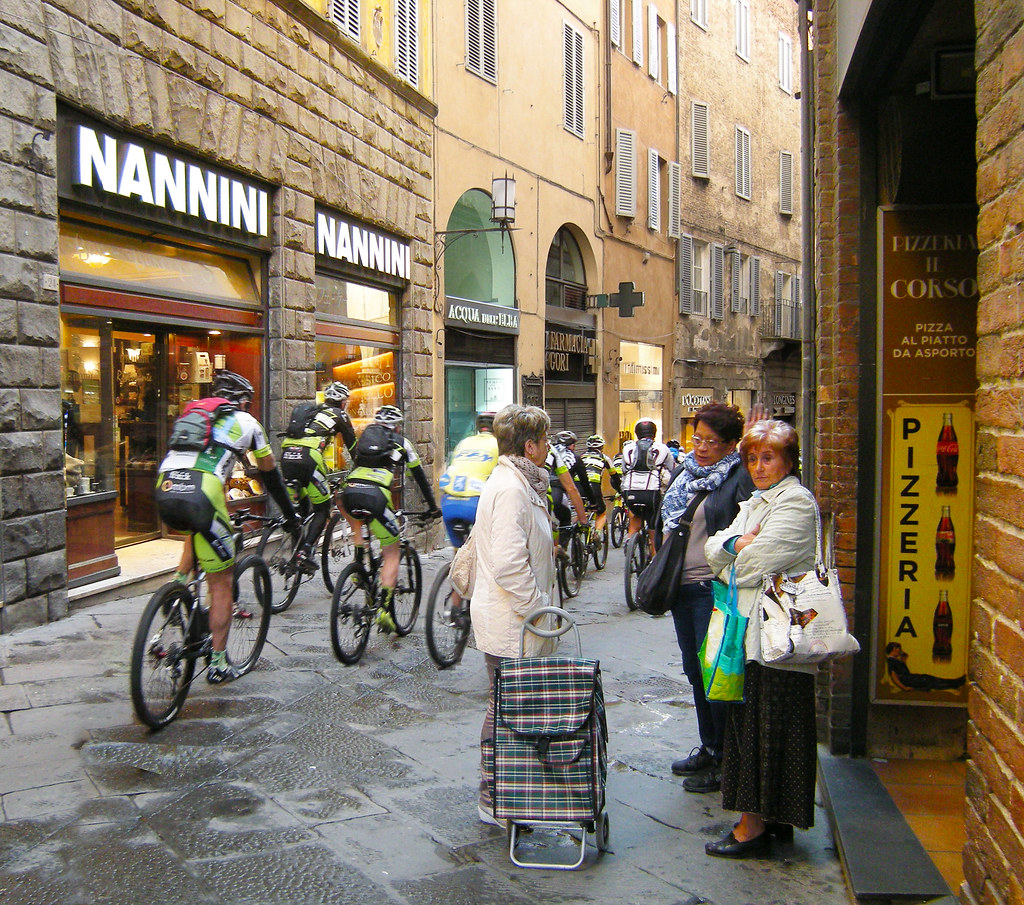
(601, 832)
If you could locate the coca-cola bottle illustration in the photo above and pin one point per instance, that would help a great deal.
(947, 454)
(945, 544)
(942, 630)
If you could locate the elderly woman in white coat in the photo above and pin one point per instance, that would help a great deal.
(770, 757)
(515, 567)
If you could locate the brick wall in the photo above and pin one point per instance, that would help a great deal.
(995, 803)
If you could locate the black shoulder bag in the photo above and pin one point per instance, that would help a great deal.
(657, 583)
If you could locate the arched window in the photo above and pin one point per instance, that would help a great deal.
(480, 267)
(566, 282)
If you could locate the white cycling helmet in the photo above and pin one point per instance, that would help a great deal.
(389, 416)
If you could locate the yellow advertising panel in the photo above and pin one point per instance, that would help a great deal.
(928, 297)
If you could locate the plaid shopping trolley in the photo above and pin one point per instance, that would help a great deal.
(549, 753)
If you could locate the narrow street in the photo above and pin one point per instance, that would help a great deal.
(311, 782)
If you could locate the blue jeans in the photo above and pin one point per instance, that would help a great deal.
(691, 611)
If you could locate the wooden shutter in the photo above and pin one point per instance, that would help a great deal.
(798, 308)
(638, 32)
(653, 44)
(625, 173)
(615, 21)
(481, 42)
(675, 187)
(780, 278)
(573, 82)
(699, 139)
(736, 300)
(407, 47)
(755, 287)
(345, 14)
(672, 55)
(653, 190)
(785, 182)
(717, 282)
(686, 274)
(742, 162)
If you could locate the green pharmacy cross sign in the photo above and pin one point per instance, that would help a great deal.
(626, 299)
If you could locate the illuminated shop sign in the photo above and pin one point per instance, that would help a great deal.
(164, 182)
(361, 245)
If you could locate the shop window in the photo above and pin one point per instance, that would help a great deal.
(565, 284)
(470, 391)
(340, 299)
(478, 266)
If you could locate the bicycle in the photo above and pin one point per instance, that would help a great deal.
(638, 551)
(597, 543)
(174, 633)
(573, 565)
(619, 520)
(447, 621)
(356, 598)
(279, 548)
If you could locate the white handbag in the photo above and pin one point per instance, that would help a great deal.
(802, 617)
(463, 571)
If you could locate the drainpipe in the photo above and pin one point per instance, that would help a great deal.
(808, 362)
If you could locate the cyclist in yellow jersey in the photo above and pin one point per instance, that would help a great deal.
(471, 465)
(597, 463)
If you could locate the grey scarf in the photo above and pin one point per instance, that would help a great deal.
(536, 476)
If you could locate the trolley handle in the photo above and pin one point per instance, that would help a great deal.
(567, 623)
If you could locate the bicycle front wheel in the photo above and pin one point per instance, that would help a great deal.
(250, 615)
(447, 622)
(637, 554)
(599, 548)
(620, 522)
(162, 659)
(351, 611)
(336, 548)
(405, 602)
(277, 549)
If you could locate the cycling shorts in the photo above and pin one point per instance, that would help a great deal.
(192, 500)
(304, 466)
(641, 503)
(375, 500)
(455, 509)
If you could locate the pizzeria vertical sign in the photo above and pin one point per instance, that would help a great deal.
(928, 292)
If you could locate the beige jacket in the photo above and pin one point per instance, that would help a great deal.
(515, 566)
(787, 514)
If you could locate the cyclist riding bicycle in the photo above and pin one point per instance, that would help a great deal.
(597, 463)
(302, 459)
(677, 452)
(379, 455)
(568, 477)
(471, 465)
(647, 466)
(190, 497)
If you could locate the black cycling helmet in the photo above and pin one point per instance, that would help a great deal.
(672, 444)
(233, 387)
(645, 429)
(595, 442)
(336, 394)
(565, 438)
(485, 421)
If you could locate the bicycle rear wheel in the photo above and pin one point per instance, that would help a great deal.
(163, 661)
(336, 548)
(447, 623)
(599, 548)
(250, 615)
(351, 611)
(620, 522)
(405, 602)
(277, 549)
(637, 554)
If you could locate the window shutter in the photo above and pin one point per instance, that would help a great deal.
(675, 187)
(798, 310)
(573, 87)
(699, 12)
(699, 139)
(686, 274)
(407, 49)
(653, 44)
(736, 299)
(673, 58)
(625, 173)
(779, 280)
(785, 63)
(742, 162)
(755, 287)
(345, 14)
(481, 43)
(717, 282)
(785, 182)
(653, 191)
(615, 21)
(638, 32)
(743, 28)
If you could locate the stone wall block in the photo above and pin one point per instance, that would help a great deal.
(57, 606)
(46, 572)
(211, 9)
(33, 611)
(10, 408)
(24, 537)
(111, 77)
(40, 410)
(24, 55)
(34, 236)
(43, 492)
(21, 366)
(17, 186)
(17, 97)
(14, 581)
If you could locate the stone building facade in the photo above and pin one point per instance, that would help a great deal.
(325, 132)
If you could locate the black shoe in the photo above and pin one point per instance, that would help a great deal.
(699, 759)
(782, 832)
(709, 780)
(730, 847)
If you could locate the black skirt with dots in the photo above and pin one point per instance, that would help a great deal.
(770, 760)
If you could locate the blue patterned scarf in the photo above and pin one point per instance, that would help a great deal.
(692, 479)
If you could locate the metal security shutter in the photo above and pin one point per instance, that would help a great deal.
(577, 415)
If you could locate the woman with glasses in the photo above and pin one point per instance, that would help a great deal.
(712, 470)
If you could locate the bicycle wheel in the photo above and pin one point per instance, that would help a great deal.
(570, 576)
(277, 549)
(579, 555)
(250, 615)
(599, 547)
(620, 522)
(447, 623)
(335, 549)
(162, 657)
(351, 612)
(637, 554)
(405, 602)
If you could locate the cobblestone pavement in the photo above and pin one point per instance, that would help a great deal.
(308, 781)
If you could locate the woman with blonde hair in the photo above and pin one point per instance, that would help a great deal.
(770, 751)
